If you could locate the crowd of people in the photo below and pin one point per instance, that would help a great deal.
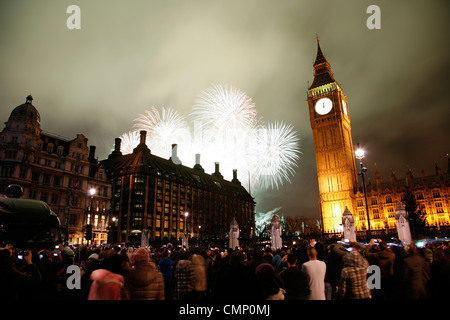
(307, 271)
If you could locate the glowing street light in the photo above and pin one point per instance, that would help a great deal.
(359, 153)
(92, 192)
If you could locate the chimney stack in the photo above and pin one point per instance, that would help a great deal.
(174, 156)
(143, 136)
(117, 144)
(235, 179)
(91, 153)
(217, 172)
(197, 165)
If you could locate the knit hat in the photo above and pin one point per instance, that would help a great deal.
(141, 256)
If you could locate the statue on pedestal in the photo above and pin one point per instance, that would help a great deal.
(145, 237)
(234, 234)
(348, 224)
(403, 229)
(184, 240)
(276, 232)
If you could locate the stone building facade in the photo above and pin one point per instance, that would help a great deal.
(57, 170)
(152, 195)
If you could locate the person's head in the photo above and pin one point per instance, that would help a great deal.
(257, 253)
(268, 279)
(291, 259)
(312, 253)
(140, 257)
(236, 259)
(383, 245)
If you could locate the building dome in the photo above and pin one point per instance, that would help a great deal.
(26, 111)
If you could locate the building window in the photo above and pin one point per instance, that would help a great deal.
(46, 178)
(35, 176)
(436, 194)
(44, 196)
(73, 219)
(23, 173)
(54, 199)
(10, 154)
(391, 212)
(57, 180)
(389, 199)
(376, 214)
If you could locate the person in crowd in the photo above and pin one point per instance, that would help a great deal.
(440, 275)
(353, 280)
(415, 275)
(185, 278)
(200, 284)
(165, 266)
(383, 257)
(17, 284)
(144, 282)
(91, 264)
(237, 282)
(47, 269)
(256, 258)
(268, 256)
(316, 270)
(269, 282)
(108, 280)
(276, 261)
(295, 281)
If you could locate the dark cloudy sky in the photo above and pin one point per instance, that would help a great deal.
(131, 55)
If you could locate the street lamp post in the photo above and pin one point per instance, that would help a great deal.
(185, 238)
(360, 153)
(91, 193)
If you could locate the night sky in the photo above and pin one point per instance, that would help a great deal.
(131, 55)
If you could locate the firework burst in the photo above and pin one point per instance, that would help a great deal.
(225, 108)
(163, 130)
(225, 130)
(275, 154)
(130, 140)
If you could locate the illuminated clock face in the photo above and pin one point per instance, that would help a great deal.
(344, 106)
(323, 106)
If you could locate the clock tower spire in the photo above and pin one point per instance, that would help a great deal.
(333, 146)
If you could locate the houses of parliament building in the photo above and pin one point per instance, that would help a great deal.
(337, 172)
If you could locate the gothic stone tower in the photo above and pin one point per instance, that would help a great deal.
(330, 123)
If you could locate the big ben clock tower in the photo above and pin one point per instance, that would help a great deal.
(330, 123)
